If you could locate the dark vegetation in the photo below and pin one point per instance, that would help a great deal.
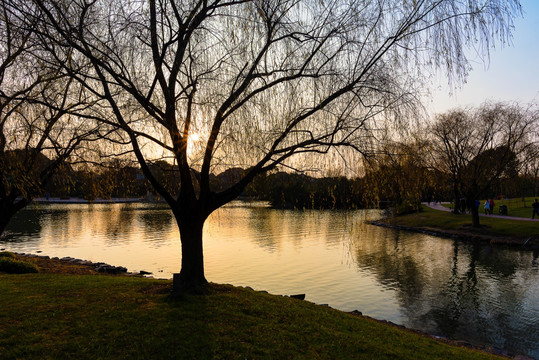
(9, 264)
(282, 190)
(295, 191)
(398, 181)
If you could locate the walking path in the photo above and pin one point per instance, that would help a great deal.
(439, 206)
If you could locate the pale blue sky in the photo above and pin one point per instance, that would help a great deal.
(511, 75)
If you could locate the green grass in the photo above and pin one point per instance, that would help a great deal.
(446, 220)
(516, 207)
(9, 264)
(12, 266)
(50, 316)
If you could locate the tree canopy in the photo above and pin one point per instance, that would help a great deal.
(478, 147)
(38, 106)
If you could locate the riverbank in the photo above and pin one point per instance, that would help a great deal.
(75, 200)
(493, 230)
(73, 266)
(63, 312)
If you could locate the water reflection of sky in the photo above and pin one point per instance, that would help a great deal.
(482, 294)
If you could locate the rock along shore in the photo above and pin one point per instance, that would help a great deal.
(76, 266)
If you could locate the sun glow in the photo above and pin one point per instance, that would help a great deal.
(194, 144)
(194, 137)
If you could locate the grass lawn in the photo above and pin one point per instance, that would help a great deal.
(515, 207)
(445, 220)
(58, 316)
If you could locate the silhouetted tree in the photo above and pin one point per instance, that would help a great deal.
(530, 161)
(475, 148)
(38, 131)
(399, 176)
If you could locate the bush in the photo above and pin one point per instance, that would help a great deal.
(13, 266)
(6, 254)
(406, 207)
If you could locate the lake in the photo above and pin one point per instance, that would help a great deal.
(478, 293)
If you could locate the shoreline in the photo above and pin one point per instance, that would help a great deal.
(74, 200)
(531, 243)
(73, 266)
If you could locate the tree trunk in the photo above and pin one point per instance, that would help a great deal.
(191, 278)
(475, 213)
(456, 194)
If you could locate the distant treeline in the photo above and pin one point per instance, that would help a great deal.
(282, 190)
(296, 191)
(401, 185)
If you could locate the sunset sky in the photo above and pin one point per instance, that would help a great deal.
(511, 75)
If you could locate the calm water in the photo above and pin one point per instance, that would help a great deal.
(484, 295)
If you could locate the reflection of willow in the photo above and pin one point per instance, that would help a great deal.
(303, 228)
(392, 261)
(358, 232)
(69, 222)
(116, 220)
(155, 222)
(60, 222)
(25, 223)
(268, 224)
(467, 291)
(460, 295)
(485, 300)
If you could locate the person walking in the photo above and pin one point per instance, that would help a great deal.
(535, 208)
(491, 207)
(487, 207)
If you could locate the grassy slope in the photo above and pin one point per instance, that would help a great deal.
(446, 220)
(81, 316)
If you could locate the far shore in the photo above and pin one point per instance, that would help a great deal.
(76, 200)
(504, 231)
(529, 243)
(115, 200)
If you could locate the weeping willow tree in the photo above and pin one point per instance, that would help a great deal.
(211, 85)
(39, 132)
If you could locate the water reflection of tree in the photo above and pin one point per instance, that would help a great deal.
(155, 224)
(117, 220)
(483, 301)
(458, 295)
(23, 226)
(268, 222)
(59, 223)
(462, 290)
(271, 227)
(392, 261)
